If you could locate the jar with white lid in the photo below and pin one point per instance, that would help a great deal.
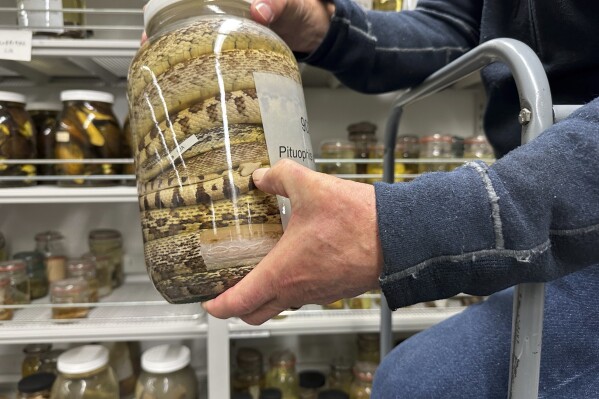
(166, 374)
(84, 373)
(87, 129)
(213, 96)
(17, 139)
(44, 116)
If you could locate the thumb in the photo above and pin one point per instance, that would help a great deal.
(283, 178)
(267, 11)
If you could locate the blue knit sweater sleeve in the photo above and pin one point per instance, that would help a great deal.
(532, 216)
(373, 52)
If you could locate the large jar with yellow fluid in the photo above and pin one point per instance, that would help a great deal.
(87, 129)
(212, 97)
(17, 140)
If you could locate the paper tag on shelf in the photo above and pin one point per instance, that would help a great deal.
(15, 45)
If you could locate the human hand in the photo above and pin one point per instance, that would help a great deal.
(302, 24)
(330, 248)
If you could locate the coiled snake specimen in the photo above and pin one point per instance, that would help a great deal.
(198, 131)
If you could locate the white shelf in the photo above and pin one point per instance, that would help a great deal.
(134, 311)
(65, 195)
(311, 320)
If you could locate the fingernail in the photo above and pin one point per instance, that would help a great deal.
(259, 173)
(265, 12)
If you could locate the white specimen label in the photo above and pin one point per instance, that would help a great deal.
(283, 111)
(51, 17)
(63, 137)
(184, 146)
(15, 45)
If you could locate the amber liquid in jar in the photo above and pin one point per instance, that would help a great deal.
(5, 298)
(436, 147)
(70, 291)
(17, 139)
(248, 376)
(282, 374)
(87, 129)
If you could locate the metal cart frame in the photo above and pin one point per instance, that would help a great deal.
(536, 115)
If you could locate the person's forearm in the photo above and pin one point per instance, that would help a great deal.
(383, 51)
(533, 216)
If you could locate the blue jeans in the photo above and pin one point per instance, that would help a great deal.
(467, 356)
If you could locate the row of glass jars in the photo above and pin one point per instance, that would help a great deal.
(83, 127)
(46, 18)
(124, 360)
(434, 147)
(29, 275)
(353, 380)
(94, 371)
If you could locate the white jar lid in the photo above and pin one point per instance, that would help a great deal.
(165, 359)
(43, 106)
(86, 95)
(83, 359)
(154, 7)
(11, 97)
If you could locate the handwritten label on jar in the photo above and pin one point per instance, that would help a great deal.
(285, 122)
(15, 45)
(63, 137)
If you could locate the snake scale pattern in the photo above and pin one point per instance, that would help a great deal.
(198, 131)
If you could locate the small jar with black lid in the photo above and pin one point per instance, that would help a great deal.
(333, 394)
(310, 383)
(36, 386)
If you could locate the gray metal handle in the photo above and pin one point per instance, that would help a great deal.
(536, 115)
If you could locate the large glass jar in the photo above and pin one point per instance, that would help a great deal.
(37, 386)
(248, 376)
(87, 129)
(109, 243)
(38, 281)
(282, 374)
(45, 17)
(436, 148)
(51, 245)
(361, 388)
(33, 358)
(212, 97)
(84, 373)
(16, 271)
(166, 374)
(44, 116)
(17, 139)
